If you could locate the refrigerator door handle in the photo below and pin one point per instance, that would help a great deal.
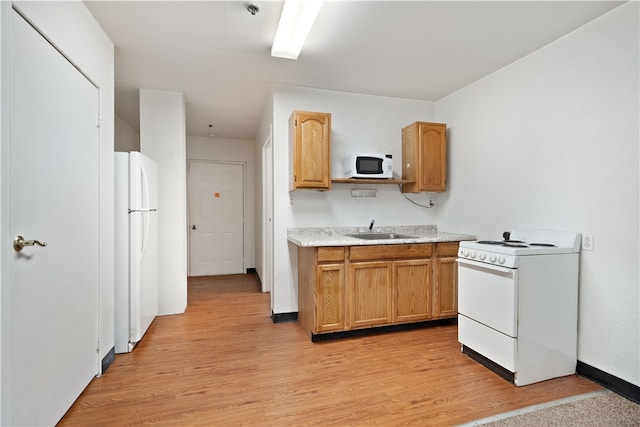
(142, 210)
(145, 201)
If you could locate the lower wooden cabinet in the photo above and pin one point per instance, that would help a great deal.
(412, 285)
(330, 297)
(321, 283)
(445, 297)
(347, 288)
(369, 293)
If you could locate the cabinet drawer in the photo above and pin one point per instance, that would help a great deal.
(386, 252)
(331, 254)
(447, 248)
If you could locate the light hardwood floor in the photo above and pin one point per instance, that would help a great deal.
(224, 363)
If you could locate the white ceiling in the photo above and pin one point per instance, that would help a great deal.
(218, 55)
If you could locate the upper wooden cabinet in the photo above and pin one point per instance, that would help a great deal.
(424, 157)
(310, 150)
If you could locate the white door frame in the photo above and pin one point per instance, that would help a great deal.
(244, 208)
(267, 215)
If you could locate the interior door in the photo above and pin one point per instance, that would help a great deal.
(53, 314)
(216, 211)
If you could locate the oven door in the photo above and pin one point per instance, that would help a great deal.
(488, 294)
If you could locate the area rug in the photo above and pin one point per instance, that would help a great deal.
(598, 409)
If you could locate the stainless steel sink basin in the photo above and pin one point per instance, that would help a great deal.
(380, 236)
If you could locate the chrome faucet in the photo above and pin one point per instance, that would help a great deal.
(373, 221)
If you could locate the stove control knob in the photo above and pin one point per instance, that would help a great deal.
(482, 256)
(493, 258)
(501, 260)
(472, 254)
(464, 252)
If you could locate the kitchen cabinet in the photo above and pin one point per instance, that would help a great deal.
(321, 279)
(424, 157)
(412, 283)
(356, 287)
(388, 284)
(310, 150)
(445, 280)
(347, 288)
(370, 294)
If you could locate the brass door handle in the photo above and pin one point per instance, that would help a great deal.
(19, 242)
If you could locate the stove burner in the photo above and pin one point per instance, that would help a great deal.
(514, 244)
(509, 243)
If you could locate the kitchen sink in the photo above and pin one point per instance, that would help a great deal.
(380, 236)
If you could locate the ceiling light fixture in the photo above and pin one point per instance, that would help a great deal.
(295, 23)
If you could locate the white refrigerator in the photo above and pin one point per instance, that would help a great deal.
(136, 248)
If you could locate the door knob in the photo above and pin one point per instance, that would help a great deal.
(193, 227)
(19, 242)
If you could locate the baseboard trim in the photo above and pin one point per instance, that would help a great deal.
(108, 359)
(489, 364)
(284, 317)
(382, 329)
(613, 383)
(255, 273)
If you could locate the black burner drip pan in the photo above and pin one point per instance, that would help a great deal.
(514, 243)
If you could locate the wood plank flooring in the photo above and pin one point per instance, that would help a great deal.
(224, 363)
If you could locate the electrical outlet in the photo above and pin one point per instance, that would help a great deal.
(364, 193)
(587, 242)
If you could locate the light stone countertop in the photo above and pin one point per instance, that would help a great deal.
(335, 236)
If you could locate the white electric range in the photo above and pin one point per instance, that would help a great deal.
(518, 303)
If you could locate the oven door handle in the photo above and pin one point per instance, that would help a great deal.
(483, 266)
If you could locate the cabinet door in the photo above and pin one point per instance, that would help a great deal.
(432, 156)
(370, 293)
(310, 137)
(445, 279)
(329, 297)
(424, 157)
(412, 288)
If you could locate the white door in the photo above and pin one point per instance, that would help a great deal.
(216, 211)
(53, 197)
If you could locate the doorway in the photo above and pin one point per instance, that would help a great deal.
(216, 218)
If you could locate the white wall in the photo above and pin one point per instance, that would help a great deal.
(551, 141)
(126, 137)
(239, 151)
(60, 23)
(163, 139)
(359, 123)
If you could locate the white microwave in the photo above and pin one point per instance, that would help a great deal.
(361, 165)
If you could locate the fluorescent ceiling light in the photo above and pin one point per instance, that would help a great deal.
(294, 26)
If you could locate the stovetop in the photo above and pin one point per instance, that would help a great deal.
(520, 242)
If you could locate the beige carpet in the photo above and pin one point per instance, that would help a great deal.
(598, 409)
